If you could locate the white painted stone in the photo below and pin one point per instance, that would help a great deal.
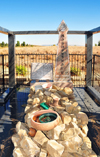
(22, 133)
(18, 152)
(40, 138)
(57, 130)
(30, 148)
(21, 125)
(16, 140)
(54, 148)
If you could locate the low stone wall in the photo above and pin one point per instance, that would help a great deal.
(67, 139)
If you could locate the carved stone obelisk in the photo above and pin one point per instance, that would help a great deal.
(62, 69)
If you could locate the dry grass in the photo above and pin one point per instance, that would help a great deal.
(49, 50)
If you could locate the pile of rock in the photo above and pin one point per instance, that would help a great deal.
(67, 139)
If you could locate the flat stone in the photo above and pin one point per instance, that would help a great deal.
(47, 93)
(21, 125)
(29, 147)
(69, 108)
(68, 90)
(18, 152)
(43, 153)
(40, 138)
(54, 148)
(22, 133)
(57, 130)
(66, 118)
(16, 140)
(83, 117)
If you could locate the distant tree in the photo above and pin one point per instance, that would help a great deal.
(23, 44)
(26, 44)
(18, 43)
(98, 43)
(2, 44)
(95, 44)
(6, 44)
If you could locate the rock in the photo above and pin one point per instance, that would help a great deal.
(75, 104)
(87, 142)
(59, 109)
(30, 148)
(68, 90)
(69, 108)
(54, 148)
(21, 125)
(65, 118)
(76, 110)
(55, 87)
(36, 101)
(47, 93)
(62, 93)
(84, 129)
(43, 153)
(30, 95)
(66, 154)
(57, 130)
(53, 90)
(49, 100)
(18, 152)
(83, 117)
(32, 90)
(40, 138)
(28, 108)
(55, 96)
(67, 134)
(39, 92)
(93, 154)
(29, 101)
(22, 133)
(16, 140)
(64, 100)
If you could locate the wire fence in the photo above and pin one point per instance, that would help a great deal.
(23, 68)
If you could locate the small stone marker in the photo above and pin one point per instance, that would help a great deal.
(42, 71)
(62, 70)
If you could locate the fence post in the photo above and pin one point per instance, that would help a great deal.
(93, 70)
(89, 59)
(11, 40)
(3, 71)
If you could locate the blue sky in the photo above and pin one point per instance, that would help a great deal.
(18, 15)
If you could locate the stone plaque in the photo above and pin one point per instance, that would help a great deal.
(42, 71)
(62, 70)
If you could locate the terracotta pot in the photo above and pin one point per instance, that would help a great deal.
(55, 102)
(44, 126)
(32, 132)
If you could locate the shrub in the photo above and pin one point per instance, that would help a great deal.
(23, 44)
(54, 45)
(18, 43)
(98, 43)
(21, 70)
(75, 71)
(95, 44)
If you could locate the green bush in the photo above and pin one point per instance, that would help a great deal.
(23, 44)
(18, 43)
(98, 43)
(75, 71)
(21, 70)
(95, 44)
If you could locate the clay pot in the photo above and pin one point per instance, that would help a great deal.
(44, 126)
(32, 132)
(55, 102)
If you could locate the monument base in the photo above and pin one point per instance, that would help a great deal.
(59, 84)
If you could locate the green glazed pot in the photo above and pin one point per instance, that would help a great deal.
(47, 117)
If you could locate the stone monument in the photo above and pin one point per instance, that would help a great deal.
(62, 69)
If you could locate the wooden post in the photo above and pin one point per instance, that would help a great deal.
(11, 41)
(89, 59)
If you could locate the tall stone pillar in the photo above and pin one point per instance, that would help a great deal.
(62, 69)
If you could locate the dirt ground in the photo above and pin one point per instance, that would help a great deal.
(49, 50)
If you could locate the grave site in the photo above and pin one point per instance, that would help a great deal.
(50, 116)
(54, 125)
